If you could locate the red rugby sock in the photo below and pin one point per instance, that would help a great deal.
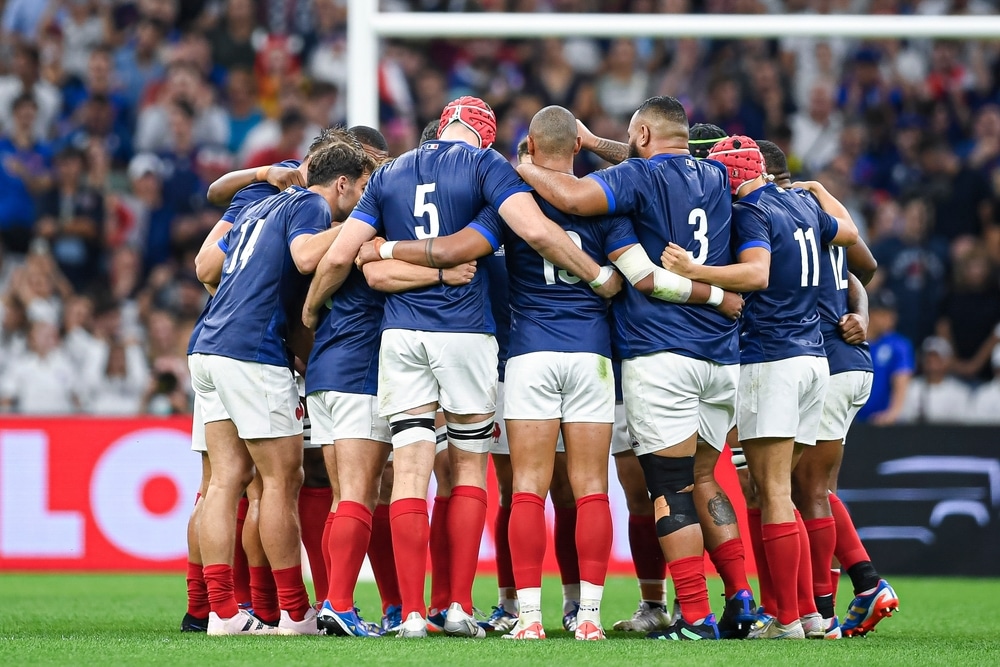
(292, 594)
(219, 583)
(729, 559)
(350, 535)
(781, 544)
(264, 594)
(410, 533)
(501, 540)
(691, 590)
(593, 537)
(241, 569)
(527, 539)
(314, 505)
(383, 559)
(440, 559)
(822, 541)
(197, 592)
(804, 582)
(766, 588)
(564, 534)
(466, 520)
(647, 556)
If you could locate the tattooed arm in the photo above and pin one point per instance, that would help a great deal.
(606, 149)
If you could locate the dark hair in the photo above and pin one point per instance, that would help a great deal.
(701, 138)
(69, 153)
(330, 136)
(369, 136)
(22, 99)
(522, 149)
(291, 119)
(774, 160)
(332, 162)
(430, 132)
(186, 108)
(665, 107)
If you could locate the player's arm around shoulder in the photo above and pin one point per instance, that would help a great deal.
(334, 267)
(308, 249)
(567, 192)
(844, 232)
(211, 257)
(393, 276)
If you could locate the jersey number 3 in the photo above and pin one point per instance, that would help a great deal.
(421, 208)
(699, 219)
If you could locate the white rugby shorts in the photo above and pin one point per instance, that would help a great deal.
(499, 445)
(574, 387)
(337, 416)
(198, 442)
(262, 400)
(782, 399)
(307, 441)
(456, 370)
(670, 397)
(621, 439)
(846, 394)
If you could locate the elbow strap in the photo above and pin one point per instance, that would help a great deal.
(668, 286)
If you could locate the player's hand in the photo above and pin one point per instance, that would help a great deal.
(611, 287)
(731, 306)
(853, 329)
(369, 252)
(588, 138)
(459, 275)
(310, 318)
(284, 177)
(675, 258)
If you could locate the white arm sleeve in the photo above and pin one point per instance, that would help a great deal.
(667, 285)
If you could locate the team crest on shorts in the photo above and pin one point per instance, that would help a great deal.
(299, 411)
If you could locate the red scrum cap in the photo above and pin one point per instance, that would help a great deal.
(742, 159)
(473, 113)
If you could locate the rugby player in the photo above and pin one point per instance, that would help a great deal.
(843, 310)
(240, 364)
(680, 365)
(437, 343)
(784, 373)
(648, 279)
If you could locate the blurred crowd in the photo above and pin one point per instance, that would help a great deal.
(115, 115)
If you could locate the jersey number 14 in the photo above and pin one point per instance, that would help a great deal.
(246, 244)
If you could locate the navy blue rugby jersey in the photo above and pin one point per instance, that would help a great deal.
(254, 193)
(251, 194)
(495, 267)
(782, 321)
(673, 198)
(551, 309)
(435, 190)
(344, 355)
(261, 289)
(842, 356)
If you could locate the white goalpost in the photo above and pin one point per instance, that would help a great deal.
(366, 24)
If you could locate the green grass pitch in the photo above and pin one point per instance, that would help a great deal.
(130, 620)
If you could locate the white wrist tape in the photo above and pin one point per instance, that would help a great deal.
(385, 252)
(603, 276)
(634, 264)
(668, 286)
(716, 296)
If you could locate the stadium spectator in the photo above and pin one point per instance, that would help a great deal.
(231, 40)
(985, 406)
(816, 131)
(289, 145)
(24, 174)
(970, 312)
(82, 28)
(42, 380)
(79, 342)
(139, 62)
(935, 396)
(116, 379)
(244, 112)
(70, 220)
(892, 359)
(24, 80)
(184, 83)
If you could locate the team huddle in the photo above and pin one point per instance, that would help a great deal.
(421, 314)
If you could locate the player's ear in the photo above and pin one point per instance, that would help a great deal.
(531, 145)
(578, 144)
(645, 135)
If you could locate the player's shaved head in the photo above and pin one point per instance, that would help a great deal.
(660, 124)
(553, 131)
(774, 160)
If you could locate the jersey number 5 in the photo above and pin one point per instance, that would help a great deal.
(549, 269)
(422, 207)
(245, 245)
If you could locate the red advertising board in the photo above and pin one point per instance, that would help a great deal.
(82, 494)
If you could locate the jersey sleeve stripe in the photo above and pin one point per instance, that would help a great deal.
(299, 232)
(621, 243)
(506, 194)
(487, 234)
(754, 244)
(229, 217)
(364, 217)
(831, 231)
(223, 246)
(608, 194)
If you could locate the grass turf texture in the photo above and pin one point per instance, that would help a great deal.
(119, 619)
